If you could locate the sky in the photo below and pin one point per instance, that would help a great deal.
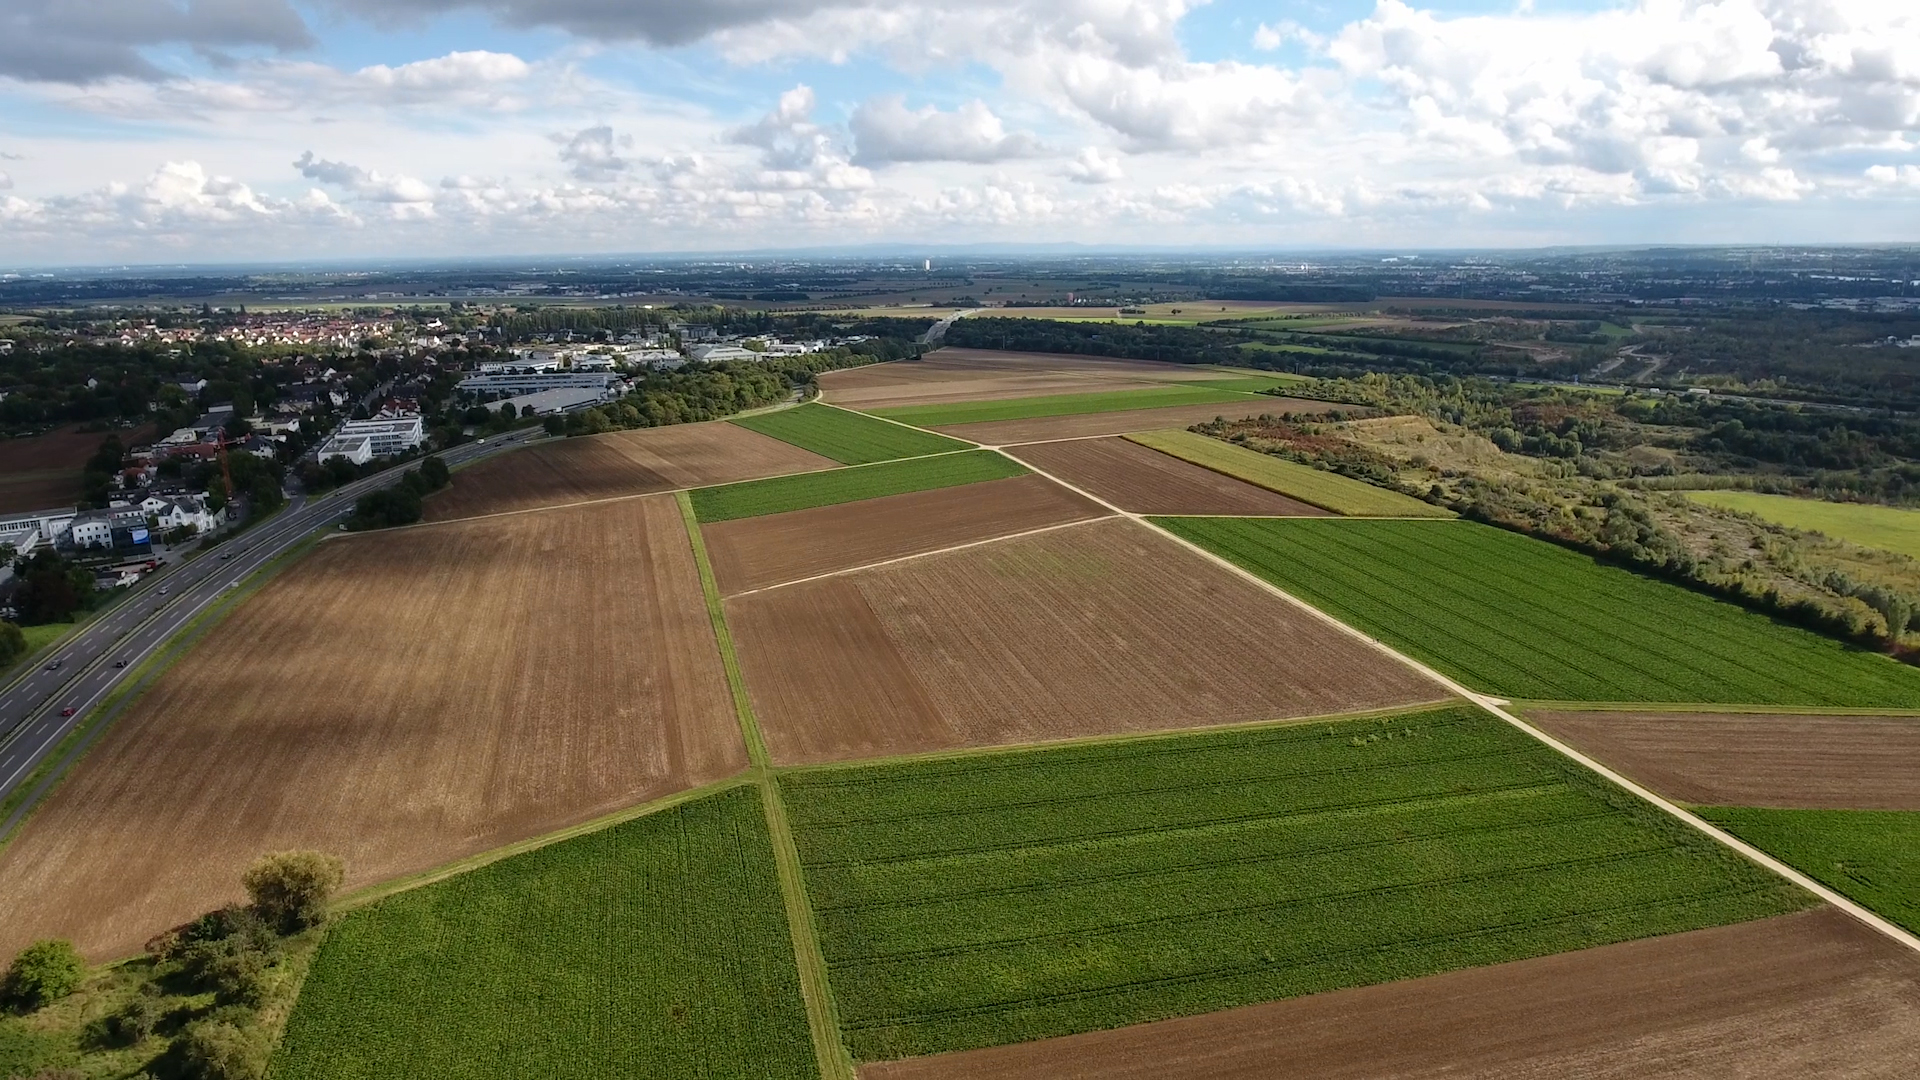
(165, 131)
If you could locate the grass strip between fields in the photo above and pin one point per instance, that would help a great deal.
(979, 412)
(779, 494)
(1511, 615)
(823, 1016)
(849, 438)
(1317, 487)
(1869, 856)
(1000, 899)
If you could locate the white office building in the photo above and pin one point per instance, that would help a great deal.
(386, 435)
(357, 449)
(605, 382)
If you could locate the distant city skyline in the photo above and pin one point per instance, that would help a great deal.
(152, 131)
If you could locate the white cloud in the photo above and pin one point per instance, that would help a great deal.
(404, 196)
(885, 131)
(1891, 176)
(593, 153)
(6, 182)
(1092, 166)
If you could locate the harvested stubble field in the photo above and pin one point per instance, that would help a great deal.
(657, 948)
(1096, 629)
(953, 375)
(1029, 408)
(757, 552)
(849, 438)
(618, 464)
(1089, 425)
(1143, 481)
(993, 900)
(1812, 994)
(1327, 490)
(1515, 616)
(783, 494)
(43, 471)
(402, 700)
(1869, 856)
(1751, 759)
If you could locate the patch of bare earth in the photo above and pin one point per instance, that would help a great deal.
(400, 699)
(950, 375)
(1809, 995)
(42, 472)
(618, 464)
(1739, 759)
(753, 553)
(1090, 425)
(1145, 481)
(1102, 628)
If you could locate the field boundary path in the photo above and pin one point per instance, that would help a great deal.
(1497, 706)
(823, 1015)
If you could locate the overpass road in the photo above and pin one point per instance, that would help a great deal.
(34, 708)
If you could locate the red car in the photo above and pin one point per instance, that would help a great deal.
(68, 711)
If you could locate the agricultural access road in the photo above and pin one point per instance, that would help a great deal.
(31, 724)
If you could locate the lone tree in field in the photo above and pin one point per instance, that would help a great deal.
(43, 973)
(290, 889)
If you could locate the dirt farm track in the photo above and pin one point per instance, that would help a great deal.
(401, 699)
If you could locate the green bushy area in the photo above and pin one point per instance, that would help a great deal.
(780, 494)
(1000, 898)
(979, 412)
(847, 437)
(657, 948)
(1511, 615)
(1871, 856)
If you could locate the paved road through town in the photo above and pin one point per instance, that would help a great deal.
(95, 659)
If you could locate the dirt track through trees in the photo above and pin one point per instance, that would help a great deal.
(1087, 425)
(1747, 759)
(1102, 628)
(618, 464)
(401, 699)
(1813, 994)
(756, 552)
(1145, 481)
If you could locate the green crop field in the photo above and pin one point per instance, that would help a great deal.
(1871, 856)
(980, 412)
(847, 437)
(656, 948)
(1326, 490)
(1000, 898)
(782, 493)
(1886, 527)
(1515, 616)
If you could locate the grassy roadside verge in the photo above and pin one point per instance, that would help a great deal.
(19, 803)
(823, 1017)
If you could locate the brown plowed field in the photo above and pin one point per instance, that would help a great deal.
(949, 375)
(1813, 994)
(1086, 425)
(753, 553)
(400, 699)
(42, 472)
(620, 463)
(1102, 628)
(1737, 759)
(1145, 481)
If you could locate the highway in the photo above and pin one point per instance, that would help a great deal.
(95, 659)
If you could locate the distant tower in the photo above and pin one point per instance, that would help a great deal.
(926, 264)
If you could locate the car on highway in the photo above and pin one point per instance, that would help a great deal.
(163, 590)
(53, 665)
(68, 711)
(119, 663)
(225, 555)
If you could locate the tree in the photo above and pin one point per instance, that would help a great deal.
(13, 643)
(51, 588)
(435, 473)
(219, 1050)
(43, 972)
(554, 424)
(290, 889)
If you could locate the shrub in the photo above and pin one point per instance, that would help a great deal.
(135, 1020)
(13, 643)
(290, 889)
(44, 972)
(220, 1050)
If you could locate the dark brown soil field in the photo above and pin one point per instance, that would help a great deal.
(1813, 994)
(948, 375)
(622, 463)
(42, 472)
(1086, 425)
(1101, 628)
(753, 553)
(1737, 759)
(1145, 481)
(400, 699)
